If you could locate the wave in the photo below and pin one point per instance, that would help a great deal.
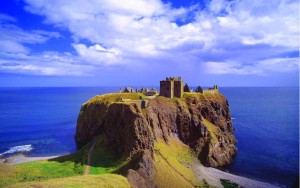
(232, 118)
(18, 149)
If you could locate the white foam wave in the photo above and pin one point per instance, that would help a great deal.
(18, 149)
(232, 118)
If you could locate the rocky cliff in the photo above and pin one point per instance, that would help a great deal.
(201, 121)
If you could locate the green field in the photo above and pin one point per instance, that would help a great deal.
(66, 166)
(88, 181)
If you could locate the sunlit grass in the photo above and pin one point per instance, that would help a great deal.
(193, 94)
(212, 129)
(69, 165)
(172, 163)
(114, 97)
(88, 181)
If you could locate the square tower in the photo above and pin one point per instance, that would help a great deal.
(178, 88)
(166, 88)
(171, 87)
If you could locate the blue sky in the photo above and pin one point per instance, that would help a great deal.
(139, 42)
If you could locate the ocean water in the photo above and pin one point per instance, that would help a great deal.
(42, 122)
(266, 122)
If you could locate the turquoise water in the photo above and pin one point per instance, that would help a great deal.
(42, 121)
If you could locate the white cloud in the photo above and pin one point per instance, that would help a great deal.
(5, 18)
(264, 67)
(47, 63)
(15, 57)
(13, 37)
(229, 68)
(274, 23)
(98, 55)
(231, 37)
(134, 7)
(135, 27)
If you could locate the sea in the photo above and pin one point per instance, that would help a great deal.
(42, 122)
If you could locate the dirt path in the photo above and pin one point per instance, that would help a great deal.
(89, 159)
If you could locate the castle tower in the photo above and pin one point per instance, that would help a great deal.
(166, 88)
(178, 88)
(171, 87)
(216, 87)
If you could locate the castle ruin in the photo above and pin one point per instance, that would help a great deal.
(212, 90)
(171, 87)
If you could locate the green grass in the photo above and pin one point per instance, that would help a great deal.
(40, 170)
(65, 166)
(104, 162)
(89, 181)
(212, 129)
(229, 184)
(62, 167)
(214, 97)
(193, 94)
(69, 165)
(171, 164)
(110, 98)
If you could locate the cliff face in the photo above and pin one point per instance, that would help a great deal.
(200, 121)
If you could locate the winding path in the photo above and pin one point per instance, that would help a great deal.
(89, 159)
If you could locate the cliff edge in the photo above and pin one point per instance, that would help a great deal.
(200, 121)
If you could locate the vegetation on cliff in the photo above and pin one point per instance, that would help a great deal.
(110, 98)
(173, 161)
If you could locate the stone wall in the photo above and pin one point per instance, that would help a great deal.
(210, 91)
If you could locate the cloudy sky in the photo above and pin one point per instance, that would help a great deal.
(139, 42)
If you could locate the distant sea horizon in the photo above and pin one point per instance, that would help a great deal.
(138, 87)
(41, 121)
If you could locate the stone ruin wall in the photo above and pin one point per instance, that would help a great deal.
(210, 91)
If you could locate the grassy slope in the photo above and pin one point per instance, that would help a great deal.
(104, 162)
(62, 167)
(172, 163)
(69, 165)
(212, 129)
(105, 180)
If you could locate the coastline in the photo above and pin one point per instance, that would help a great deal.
(21, 158)
(212, 175)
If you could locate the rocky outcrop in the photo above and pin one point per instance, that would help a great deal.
(202, 121)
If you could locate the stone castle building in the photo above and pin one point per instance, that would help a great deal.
(212, 90)
(171, 87)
